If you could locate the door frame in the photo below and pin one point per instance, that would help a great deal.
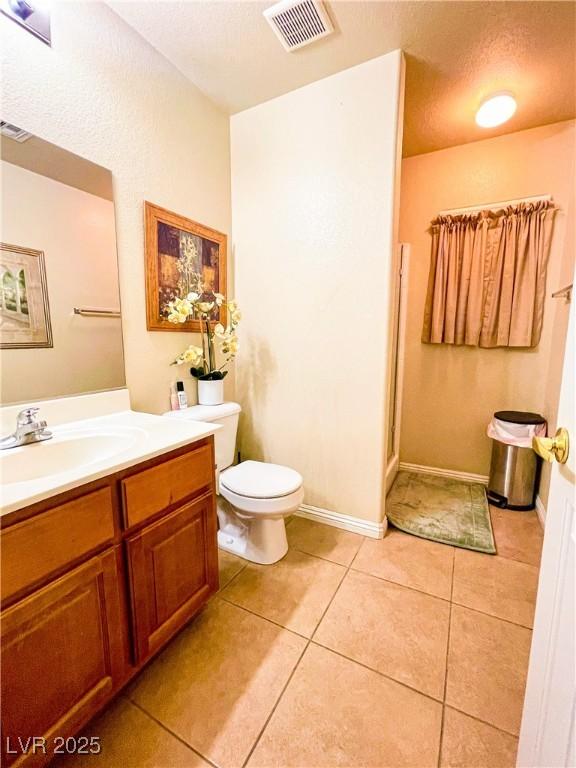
(399, 318)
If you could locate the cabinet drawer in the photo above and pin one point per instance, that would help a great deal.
(38, 547)
(148, 492)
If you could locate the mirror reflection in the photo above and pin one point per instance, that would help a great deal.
(60, 326)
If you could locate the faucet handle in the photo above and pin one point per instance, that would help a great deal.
(27, 416)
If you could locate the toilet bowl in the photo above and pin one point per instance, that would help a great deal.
(258, 497)
(254, 497)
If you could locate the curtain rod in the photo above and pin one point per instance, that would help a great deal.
(492, 206)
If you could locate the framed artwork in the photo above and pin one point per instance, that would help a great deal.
(182, 256)
(24, 308)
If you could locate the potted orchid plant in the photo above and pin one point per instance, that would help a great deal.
(204, 366)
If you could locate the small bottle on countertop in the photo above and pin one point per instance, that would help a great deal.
(174, 402)
(182, 396)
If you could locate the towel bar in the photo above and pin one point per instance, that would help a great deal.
(96, 312)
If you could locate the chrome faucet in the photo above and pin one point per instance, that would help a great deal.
(29, 429)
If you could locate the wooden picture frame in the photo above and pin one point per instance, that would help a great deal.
(24, 307)
(179, 254)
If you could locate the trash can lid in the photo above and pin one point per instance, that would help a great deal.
(520, 417)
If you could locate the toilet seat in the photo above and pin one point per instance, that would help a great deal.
(262, 489)
(261, 480)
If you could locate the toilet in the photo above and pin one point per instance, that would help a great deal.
(254, 497)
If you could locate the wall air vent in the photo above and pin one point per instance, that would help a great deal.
(13, 132)
(298, 22)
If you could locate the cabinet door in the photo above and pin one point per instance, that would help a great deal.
(173, 566)
(63, 652)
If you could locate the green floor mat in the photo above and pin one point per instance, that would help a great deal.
(441, 509)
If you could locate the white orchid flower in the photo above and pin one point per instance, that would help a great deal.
(192, 355)
(179, 310)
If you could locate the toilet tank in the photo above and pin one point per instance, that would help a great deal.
(224, 439)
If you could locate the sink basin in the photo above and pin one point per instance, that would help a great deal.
(85, 450)
(67, 450)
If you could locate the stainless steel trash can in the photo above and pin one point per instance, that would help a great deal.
(514, 470)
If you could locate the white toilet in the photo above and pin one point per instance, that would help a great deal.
(254, 496)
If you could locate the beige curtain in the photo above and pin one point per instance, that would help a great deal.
(488, 277)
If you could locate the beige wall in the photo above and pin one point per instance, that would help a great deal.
(450, 393)
(104, 93)
(313, 208)
(76, 232)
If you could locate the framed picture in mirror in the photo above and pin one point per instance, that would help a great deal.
(24, 307)
(59, 275)
(182, 256)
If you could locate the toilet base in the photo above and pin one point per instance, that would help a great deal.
(260, 540)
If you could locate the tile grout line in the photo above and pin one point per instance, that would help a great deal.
(410, 688)
(259, 616)
(377, 672)
(484, 722)
(444, 599)
(276, 703)
(325, 611)
(296, 666)
(493, 616)
(509, 557)
(324, 559)
(399, 584)
(441, 740)
(230, 581)
(173, 734)
(416, 589)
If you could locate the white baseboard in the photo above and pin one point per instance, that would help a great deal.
(541, 511)
(452, 473)
(345, 522)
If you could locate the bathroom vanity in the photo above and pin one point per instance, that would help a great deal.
(95, 580)
(107, 515)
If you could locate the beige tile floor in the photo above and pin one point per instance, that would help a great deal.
(349, 652)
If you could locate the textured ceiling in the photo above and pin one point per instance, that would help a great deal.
(457, 53)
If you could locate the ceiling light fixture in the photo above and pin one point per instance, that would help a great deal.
(496, 110)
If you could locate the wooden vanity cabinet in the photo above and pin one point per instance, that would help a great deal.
(94, 583)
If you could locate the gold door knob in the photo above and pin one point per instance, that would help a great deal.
(551, 448)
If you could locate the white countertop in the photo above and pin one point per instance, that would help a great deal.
(86, 450)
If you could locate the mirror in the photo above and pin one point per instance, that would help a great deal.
(60, 326)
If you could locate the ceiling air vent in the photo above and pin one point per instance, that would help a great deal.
(298, 22)
(13, 132)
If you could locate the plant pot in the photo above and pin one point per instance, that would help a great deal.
(211, 392)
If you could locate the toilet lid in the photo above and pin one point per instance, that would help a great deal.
(260, 480)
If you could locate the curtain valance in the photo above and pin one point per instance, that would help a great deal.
(487, 277)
